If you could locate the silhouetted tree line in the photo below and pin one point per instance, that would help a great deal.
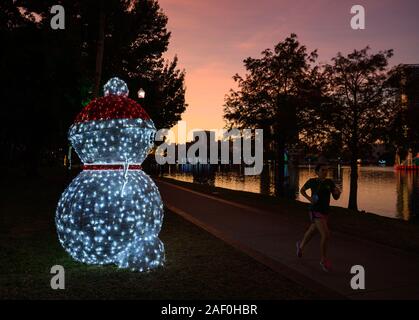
(48, 75)
(338, 109)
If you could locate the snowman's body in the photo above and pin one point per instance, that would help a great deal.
(112, 211)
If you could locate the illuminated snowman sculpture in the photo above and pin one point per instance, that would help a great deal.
(112, 212)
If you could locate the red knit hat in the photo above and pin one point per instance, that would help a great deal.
(111, 107)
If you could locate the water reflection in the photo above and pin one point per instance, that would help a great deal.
(381, 190)
(407, 194)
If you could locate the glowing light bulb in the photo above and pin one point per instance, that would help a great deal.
(141, 93)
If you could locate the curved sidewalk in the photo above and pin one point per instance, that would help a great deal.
(389, 273)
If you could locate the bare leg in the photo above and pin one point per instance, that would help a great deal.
(321, 225)
(308, 235)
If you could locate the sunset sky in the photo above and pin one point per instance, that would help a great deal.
(213, 37)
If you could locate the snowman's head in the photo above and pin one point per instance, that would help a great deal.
(113, 128)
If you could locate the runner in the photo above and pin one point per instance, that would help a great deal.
(321, 188)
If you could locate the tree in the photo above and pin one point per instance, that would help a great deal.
(273, 95)
(100, 44)
(165, 94)
(135, 38)
(403, 133)
(360, 104)
(48, 74)
(38, 85)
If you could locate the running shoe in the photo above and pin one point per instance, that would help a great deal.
(326, 265)
(299, 251)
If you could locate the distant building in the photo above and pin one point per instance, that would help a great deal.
(210, 139)
(212, 146)
(408, 85)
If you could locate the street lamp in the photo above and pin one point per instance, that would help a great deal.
(141, 93)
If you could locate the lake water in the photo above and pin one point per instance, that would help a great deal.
(381, 190)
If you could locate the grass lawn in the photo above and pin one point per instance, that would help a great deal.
(392, 232)
(199, 266)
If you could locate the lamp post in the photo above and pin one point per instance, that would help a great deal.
(141, 93)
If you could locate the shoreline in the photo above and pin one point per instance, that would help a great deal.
(392, 232)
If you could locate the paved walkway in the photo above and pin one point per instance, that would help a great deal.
(389, 273)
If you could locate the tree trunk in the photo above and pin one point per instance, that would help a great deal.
(353, 191)
(279, 168)
(31, 158)
(264, 180)
(99, 52)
